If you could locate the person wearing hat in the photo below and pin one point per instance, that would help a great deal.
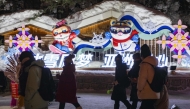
(146, 73)
(29, 81)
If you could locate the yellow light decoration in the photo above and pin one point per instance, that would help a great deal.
(163, 41)
(179, 26)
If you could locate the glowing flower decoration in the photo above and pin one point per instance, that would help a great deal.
(179, 45)
(163, 42)
(179, 56)
(179, 41)
(36, 41)
(10, 41)
(23, 29)
(180, 26)
(24, 41)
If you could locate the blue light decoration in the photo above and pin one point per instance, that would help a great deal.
(12, 51)
(148, 33)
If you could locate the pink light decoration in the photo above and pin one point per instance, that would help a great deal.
(180, 26)
(179, 56)
(23, 29)
(179, 44)
(163, 42)
(10, 41)
(36, 41)
(23, 41)
(178, 41)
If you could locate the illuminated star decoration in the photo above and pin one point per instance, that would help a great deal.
(178, 41)
(24, 41)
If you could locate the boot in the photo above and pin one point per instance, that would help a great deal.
(79, 107)
(116, 106)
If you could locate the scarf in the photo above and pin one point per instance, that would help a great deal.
(116, 41)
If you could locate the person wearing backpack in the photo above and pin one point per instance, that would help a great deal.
(121, 83)
(163, 102)
(26, 58)
(133, 75)
(32, 99)
(146, 74)
(66, 92)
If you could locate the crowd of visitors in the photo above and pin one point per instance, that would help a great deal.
(139, 77)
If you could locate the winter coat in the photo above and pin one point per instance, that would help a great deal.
(147, 73)
(119, 90)
(33, 100)
(66, 91)
(3, 81)
(163, 102)
(23, 75)
(134, 73)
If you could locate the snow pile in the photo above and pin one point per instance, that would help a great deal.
(47, 20)
(121, 7)
(143, 13)
(8, 20)
(3, 64)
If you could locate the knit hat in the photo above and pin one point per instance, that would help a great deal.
(26, 54)
(145, 51)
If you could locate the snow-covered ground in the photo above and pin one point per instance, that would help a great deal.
(103, 101)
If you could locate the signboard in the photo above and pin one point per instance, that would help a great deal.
(14, 90)
(57, 60)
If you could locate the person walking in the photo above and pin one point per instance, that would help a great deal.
(32, 98)
(146, 74)
(163, 102)
(120, 84)
(66, 92)
(133, 75)
(25, 61)
(3, 82)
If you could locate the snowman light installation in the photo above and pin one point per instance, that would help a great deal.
(122, 34)
(63, 36)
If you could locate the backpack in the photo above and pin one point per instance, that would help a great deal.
(159, 79)
(47, 85)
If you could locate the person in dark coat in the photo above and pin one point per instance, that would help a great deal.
(119, 90)
(133, 75)
(26, 58)
(3, 81)
(66, 92)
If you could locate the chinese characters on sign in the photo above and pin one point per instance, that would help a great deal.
(109, 60)
(56, 60)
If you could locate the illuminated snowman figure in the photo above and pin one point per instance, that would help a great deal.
(122, 34)
(63, 36)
